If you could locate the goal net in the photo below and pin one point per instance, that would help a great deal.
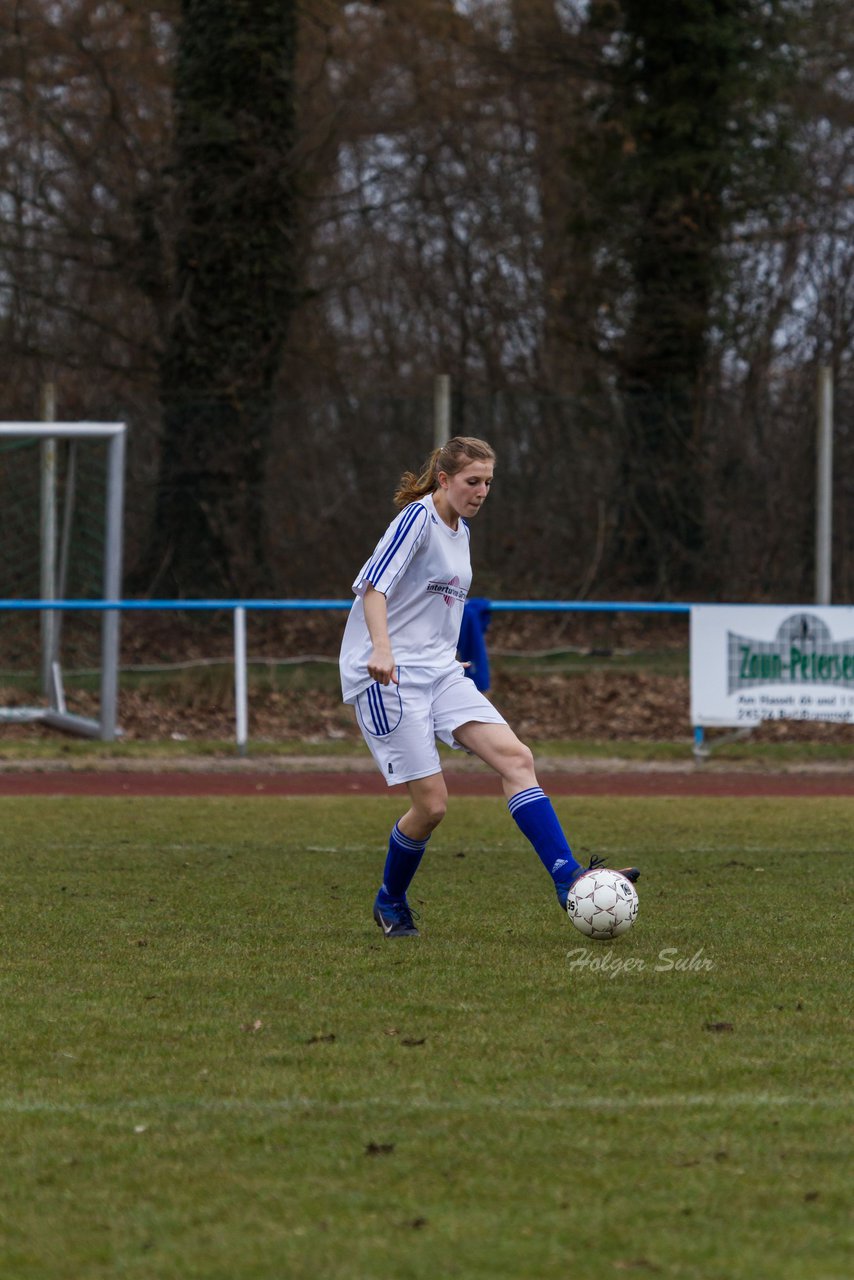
(61, 520)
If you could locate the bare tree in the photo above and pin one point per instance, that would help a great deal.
(470, 200)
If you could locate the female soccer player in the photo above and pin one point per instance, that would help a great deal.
(400, 671)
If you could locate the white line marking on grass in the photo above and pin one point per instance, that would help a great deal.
(673, 1102)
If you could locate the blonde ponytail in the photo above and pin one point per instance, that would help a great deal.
(450, 458)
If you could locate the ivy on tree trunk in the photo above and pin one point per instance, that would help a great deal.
(698, 138)
(233, 289)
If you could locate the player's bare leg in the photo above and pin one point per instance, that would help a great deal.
(428, 800)
(498, 746)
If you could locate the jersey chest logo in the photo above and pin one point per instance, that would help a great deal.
(449, 591)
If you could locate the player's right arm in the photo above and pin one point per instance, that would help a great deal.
(380, 575)
(381, 666)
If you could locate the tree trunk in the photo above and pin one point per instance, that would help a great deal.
(233, 291)
(690, 88)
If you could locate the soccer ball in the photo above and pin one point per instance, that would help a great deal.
(602, 904)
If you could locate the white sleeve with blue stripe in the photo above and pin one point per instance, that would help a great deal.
(394, 551)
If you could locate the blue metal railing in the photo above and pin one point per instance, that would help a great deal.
(195, 606)
(106, 728)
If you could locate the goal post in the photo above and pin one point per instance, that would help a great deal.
(52, 531)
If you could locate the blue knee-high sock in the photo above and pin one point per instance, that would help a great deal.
(534, 816)
(402, 861)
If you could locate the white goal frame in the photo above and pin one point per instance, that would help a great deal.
(51, 602)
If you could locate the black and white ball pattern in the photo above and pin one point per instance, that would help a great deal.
(602, 904)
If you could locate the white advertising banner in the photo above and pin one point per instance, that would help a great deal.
(751, 663)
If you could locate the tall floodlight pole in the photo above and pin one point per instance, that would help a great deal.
(48, 534)
(113, 536)
(824, 487)
(441, 410)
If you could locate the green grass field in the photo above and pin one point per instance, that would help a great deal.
(214, 1066)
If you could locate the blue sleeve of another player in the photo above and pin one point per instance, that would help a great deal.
(394, 551)
(471, 645)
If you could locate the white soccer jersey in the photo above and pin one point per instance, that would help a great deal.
(423, 568)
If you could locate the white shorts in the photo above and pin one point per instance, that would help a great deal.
(401, 722)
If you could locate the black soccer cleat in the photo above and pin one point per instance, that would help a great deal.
(563, 887)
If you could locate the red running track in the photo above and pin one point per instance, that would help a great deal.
(697, 782)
